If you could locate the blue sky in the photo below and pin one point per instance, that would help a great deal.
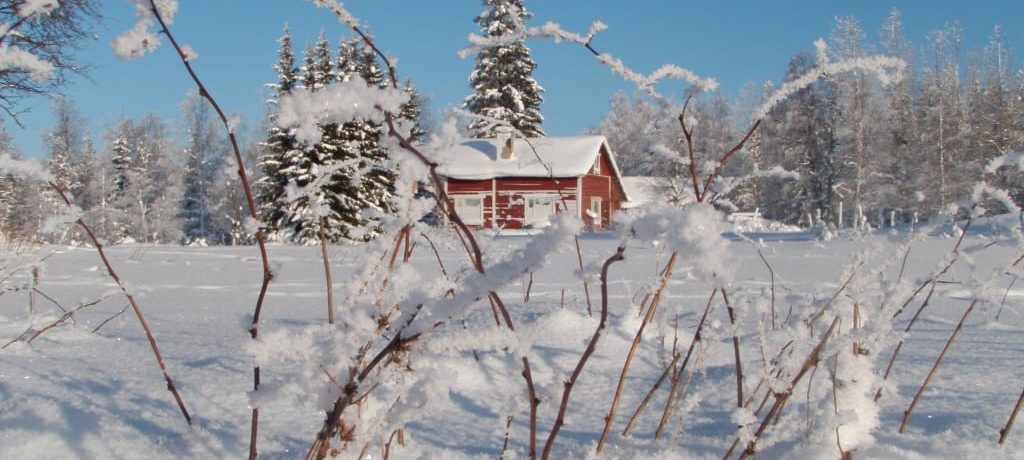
(733, 41)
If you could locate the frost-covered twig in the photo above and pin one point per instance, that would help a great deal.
(781, 398)
(157, 8)
(20, 59)
(134, 304)
(933, 282)
(591, 347)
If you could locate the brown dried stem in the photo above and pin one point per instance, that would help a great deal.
(66, 316)
(671, 401)
(534, 402)
(735, 347)
(1003, 433)
(935, 368)
(591, 347)
(651, 310)
(268, 275)
(933, 282)
(135, 307)
(327, 270)
(781, 398)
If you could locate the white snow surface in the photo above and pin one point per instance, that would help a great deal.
(77, 394)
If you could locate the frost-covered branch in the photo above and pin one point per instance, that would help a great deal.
(142, 38)
(12, 58)
(888, 69)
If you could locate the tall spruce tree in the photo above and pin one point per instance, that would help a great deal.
(279, 144)
(502, 80)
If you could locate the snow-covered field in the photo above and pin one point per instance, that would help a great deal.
(75, 393)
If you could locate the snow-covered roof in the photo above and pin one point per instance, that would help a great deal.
(477, 159)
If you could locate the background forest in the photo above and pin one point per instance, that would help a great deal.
(845, 151)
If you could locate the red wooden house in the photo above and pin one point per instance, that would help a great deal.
(516, 183)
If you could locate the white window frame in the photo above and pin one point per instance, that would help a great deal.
(539, 216)
(597, 165)
(470, 218)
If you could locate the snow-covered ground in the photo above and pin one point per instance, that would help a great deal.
(74, 393)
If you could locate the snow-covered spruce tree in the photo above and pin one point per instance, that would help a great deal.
(204, 158)
(502, 80)
(345, 173)
(367, 183)
(280, 142)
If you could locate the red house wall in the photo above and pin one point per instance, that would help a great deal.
(507, 209)
(504, 197)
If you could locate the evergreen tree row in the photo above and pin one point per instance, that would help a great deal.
(343, 183)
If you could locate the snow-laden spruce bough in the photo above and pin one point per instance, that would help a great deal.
(435, 356)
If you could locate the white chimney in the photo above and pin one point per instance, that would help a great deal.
(503, 136)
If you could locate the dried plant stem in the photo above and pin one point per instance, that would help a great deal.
(781, 398)
(50, 299)
(437, 255)
(935, 368)
(32, 292)
(104, 323)
(1005, 293)
(268, 275)
(821, 311)
(1003, 433)
(327, 270)
(66, 316)
(697, 337)
(591, 347)
(135, 307)
(932, 283)
(735, 348)
(586, 286)
(771, 273)
(669, 369)
(504, 444)
(529, 286)
(651, 310)
(534, 402)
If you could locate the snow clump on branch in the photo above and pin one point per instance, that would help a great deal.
(32, 7)
(344, 16)
(141, 38)
(338, 102)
